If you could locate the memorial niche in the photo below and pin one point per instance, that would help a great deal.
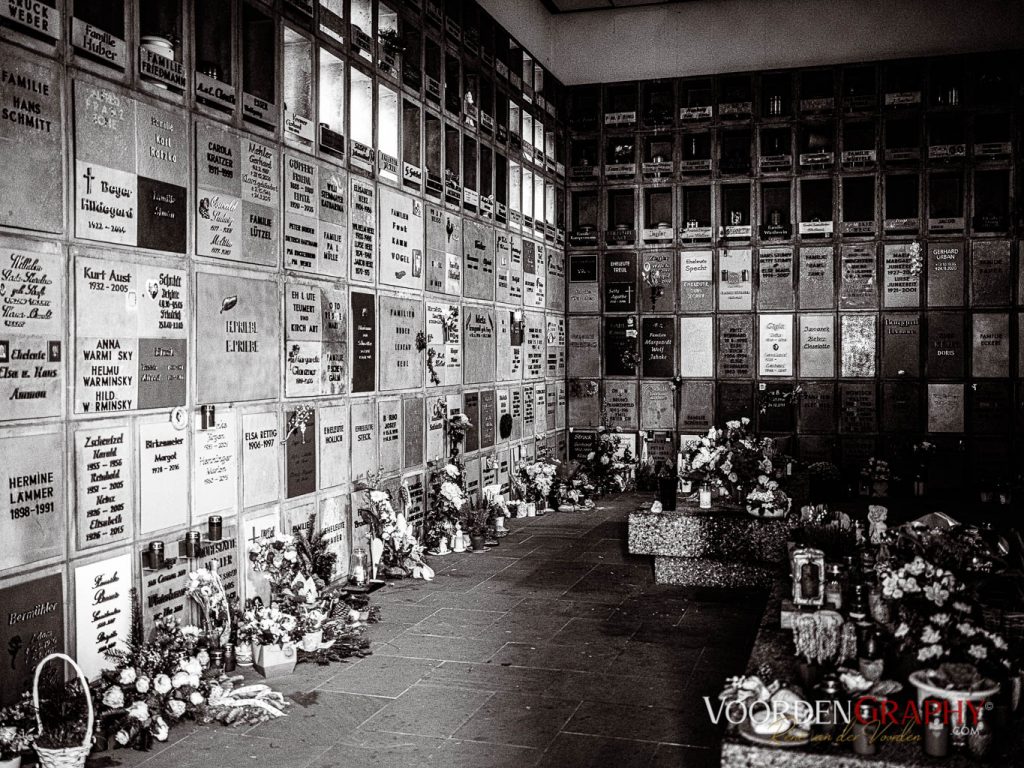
(817, 346)
(696, 347)
(479, 340)
(401, 365)
(658, 346)
(857, 408)
(735, 346)
(901, 406)
(696, 406)
(402, 234)
(945, 345)
(902, 277)
(858, 212)
(775, 411)
(657, 405)
(620, 346)
(619, 404)
(33, 627)
(33, 519)
(901, 345)
(816, 407)
(775, 278)
(946, 268)
(735, 401)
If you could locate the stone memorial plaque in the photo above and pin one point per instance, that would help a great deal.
(261, 482)
(657, 405)
(453, 256)
(858, 287)
(412, 428)
(401, 240)
(945, 407)
(528, 404)
(584, 297)
(816, 407)
(164, 593)
(503, 266)
(540, 422)
(902, 286)
(735, 401)
(550, 406)
(478, 260)
(946, 274)
(555, 347)
(696, 281)
(364, 342)
(364, 438)
(503, 411)
(814, 448)
(302, 214)
(945, 345)
(775, 412)
(103, 611)
(775, 345)
(991, 273)
(775, 278)
(658, 282)
(991, 459)
(254, 526)
(817, 346)
(103, 483)
(225, 554)
(162, 150)
(334, 313)
(300, 456)
(436, 443)
(479, 338)
(857, 336)
(389, 431)
(555, 289)
(661, 449)
(517, 413)
(239, 333)
(620, 282)
(215, 466)
(584, 403)
(435, 241)
(444, 343)
(516, 270)
(535, 343)
(401, 364)
(163, 476)
(33, 195)
(901, 407)
(561, 403)
(620, 346)
(858, 408)
(991, 406)
(31, 350)
(362, 229)
(696, 406)
(696, 347)
(487, 418)
(219, 216)
(991, 345)
(817, 278)
(531, 252)
(303, 333)
(580, 444)
(33, 521)
(510, 355)
(735, 289)
(334, 436)
(33, 621)
(736, 346)
(901, 344)
(657, 345)
(261, 201)
(620, 404)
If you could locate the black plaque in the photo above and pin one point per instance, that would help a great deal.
(991, 275)
(945, 345)
(735, 401)
(364, 342)
(412, 425)
(813, 448)
(990, 407)
(471, 407)
(858, 408)
(946, 274)
(32, 618)
(620, 282)
(901, 407)
(658, 346)
(657, 284)
(901, 344)
(735, 346)
(696, 406)
(775, 412)
(300, 459)
(487, 418)
(581, 443)
(816, 407)
(620, 346)
(854, 452)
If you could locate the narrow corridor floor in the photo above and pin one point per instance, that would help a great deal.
(555, 648)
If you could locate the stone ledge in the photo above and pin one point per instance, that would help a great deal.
(702, 572)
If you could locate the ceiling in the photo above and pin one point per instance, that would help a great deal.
(575, 6)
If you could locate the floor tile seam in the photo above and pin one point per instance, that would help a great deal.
(318, 757)
(658, 742)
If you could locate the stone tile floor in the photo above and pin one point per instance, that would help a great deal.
(554, 649)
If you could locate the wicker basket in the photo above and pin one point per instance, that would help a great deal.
(67, 757)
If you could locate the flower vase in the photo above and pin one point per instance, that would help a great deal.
(531, 509)
(274, 660)
(478, 543)
(311, 640)
(13, 762)
(243, 655)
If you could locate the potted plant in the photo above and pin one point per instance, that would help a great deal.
(477, 524)
(17, 731)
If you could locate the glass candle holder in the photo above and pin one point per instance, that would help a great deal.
(360, 567)
(215, 528)
(705, 496)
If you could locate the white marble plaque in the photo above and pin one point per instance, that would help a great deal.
(261, 477)
(696, 347)
(104, 488)
(215, 470)
(32, 521)
(775, 346)
(103, 612)
(163, 476)
(735, 289)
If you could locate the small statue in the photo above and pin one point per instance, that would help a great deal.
(877, 515)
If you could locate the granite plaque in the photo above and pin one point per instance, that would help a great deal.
(401, 240)
(527, 405)
(478, 261)
(300, 457)
(561, 400)
(817, 346)
(735, 289)
(31, 350)
(556, 346)
(31, 92)
(364, 438)
(453, 256)
(696, 406)
(816, 407)
(696, 281)
(33, 620)
(902, 278)
(901, 344)
(814, 448)
(334, 446)
(487, 418)
(515, 287)
(401, 363)
(991, 273)
(389, 435)
(161, 146)
(531, 251)
(412, 428)
(479, 339)
(991, 345)
(334, 307)
(858, 408)
(945, 345)
(696, 347)
(901, 407)
(620, 346)
(584, 403)
(239, 330)
(658, 286)
(580, 444)
(33, 521)
(215, 466)
(775, 412)
(620, 404)
(435, 242)
(775, 345)
(261, 200)
(535, 341)
(945, 274)
(364, 342)
(991, 406)
(503, 266)
(584, 297)
(858, 288)
(219, 224)
(775, 278)
(854, 452)
(163, 476)
(857, 345)
(657, 405)
(260, 450)
(658, 346)
(735, 401)
(945, 407)
(555, 289)
(736, 346)
(620, 282)
(436, 412)
(362, 229)
(510, 355)
(817, 278)
(303, 364)
(102, 611)
(104, 488)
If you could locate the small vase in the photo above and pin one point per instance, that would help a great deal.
(458, 544)
(311, 640)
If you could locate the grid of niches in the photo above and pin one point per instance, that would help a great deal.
(759, 236)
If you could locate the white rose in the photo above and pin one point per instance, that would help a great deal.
(139, 711)
(162, 684)
(113, 697)
(179, 679)
(193, 680)
(121, 737)
(160, 729)
(127, 676)
(291, 555)
(176, 707)
(196, 698)
(142, 685)
(191, 666)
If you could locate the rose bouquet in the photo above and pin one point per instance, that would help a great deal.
(268, 625)
(207, 592)
(447, 499)
(276, 557)
(767, 499)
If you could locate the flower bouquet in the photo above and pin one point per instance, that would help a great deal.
(447, 498)
(767, 500)
(17, 728)
(207, 592)
(401, 553)
(276, 557)
(458, 424)
(875, 477)
(609, 467)
(273, 635)
(535, 480)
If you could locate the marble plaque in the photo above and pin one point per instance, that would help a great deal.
(775, 412)
(946, 274)
(817, 277)
(991, 273)
(857, 345)
(817, 346)
(584, 346)
(816, 407)
(584, 297)
(364, 342)
(696, 281)
(435, 242)
(303, 363)
(261, 200)
(301, 214)
(32, 618)
(555, 288)
(33, 521)
(561, 401)
(901, 407)
(334, 436)
(858, 287)
(436, 412)
(503, 266)
(401, 240)
(945, 345)
(735, 346)
(362, 229)
(163, 476)
(991, 345)
(527, 406)
(620, 346)
(104, 489)
(735, 288)
(453, 256)
(478, 260)
(990, 407)
(401, 364)
(945, 407)
(657, 282)
(901, 344)
(532, 253)
(902, 286)
(219, 217)
(238, 329)
(334, 314)
(696, 406)
(412, 429)
(775, 278)
(261, 483)
(775, 345)
(254, 526)
(696, 347)
(32, 196)
(658, 345)
(555, 347)
(215, 465)
(657, 405)
(735, 401)
(584, 403)
(364, 438)
(535, 345)
(510, 353)
(479, 338)
(389, 435)
(858, 408)
(620, 282)
(226, 555)
(103, 612)
(620, 404)
(488, 421)
(31, 350)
